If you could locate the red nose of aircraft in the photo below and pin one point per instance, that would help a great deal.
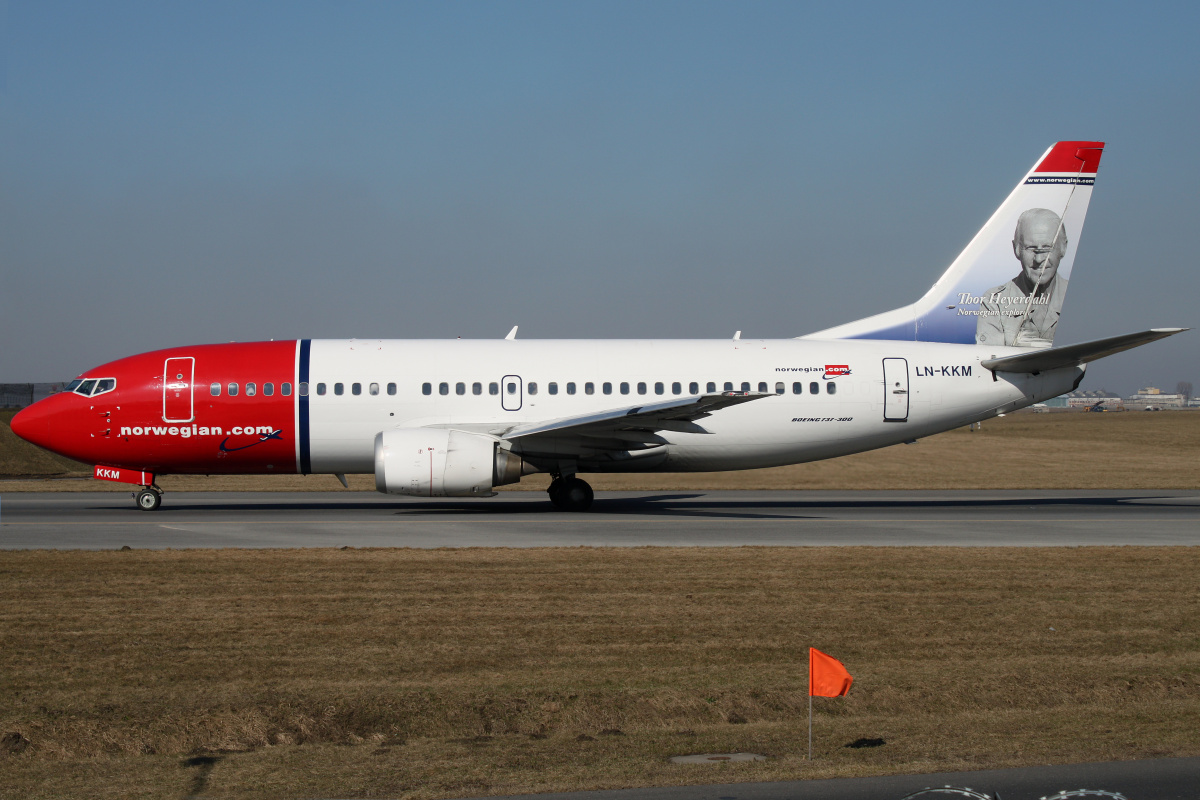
(33, 423)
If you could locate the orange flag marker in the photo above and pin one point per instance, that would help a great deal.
(827, 677)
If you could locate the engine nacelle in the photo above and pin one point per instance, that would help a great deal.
(434, 462)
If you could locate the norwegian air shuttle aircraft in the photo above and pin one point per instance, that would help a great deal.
(458, 418)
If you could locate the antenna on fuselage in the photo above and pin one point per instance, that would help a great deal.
(512, 334)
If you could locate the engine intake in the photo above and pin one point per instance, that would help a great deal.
(434, 462)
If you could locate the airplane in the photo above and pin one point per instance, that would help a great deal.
(458, 418)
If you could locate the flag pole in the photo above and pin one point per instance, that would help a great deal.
(810, 694)
(810, 727)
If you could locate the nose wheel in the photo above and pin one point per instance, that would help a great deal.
(570, 494)
(149, 498)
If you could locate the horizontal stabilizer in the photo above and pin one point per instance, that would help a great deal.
(1075, 354)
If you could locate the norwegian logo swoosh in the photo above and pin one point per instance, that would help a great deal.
(262, 437)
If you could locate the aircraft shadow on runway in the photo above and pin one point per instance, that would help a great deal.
(679, 504)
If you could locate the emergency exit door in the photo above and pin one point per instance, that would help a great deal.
(512, 394)
(177, 389)
(895, 390)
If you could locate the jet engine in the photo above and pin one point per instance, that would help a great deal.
(435, 462)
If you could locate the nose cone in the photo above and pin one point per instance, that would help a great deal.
(33, 423)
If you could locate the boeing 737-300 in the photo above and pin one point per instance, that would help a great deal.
(458, 418)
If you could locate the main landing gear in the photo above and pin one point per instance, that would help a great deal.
(570, 494)
(149, 498)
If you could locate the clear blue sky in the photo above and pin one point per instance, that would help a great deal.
(173, 173)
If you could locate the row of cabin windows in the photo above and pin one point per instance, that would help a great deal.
(642, 388)
(340, 389)
(493, 388)
(233, 389)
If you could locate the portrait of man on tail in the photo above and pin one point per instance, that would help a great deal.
(1024, 312)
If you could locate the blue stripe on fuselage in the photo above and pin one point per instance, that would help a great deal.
(305, 455)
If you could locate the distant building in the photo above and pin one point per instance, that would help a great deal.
(1152, 397)
(1079, 400)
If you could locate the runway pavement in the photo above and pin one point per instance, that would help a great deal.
(1156, 779)
(618, 519)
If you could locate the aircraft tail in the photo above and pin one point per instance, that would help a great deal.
(1007, 287)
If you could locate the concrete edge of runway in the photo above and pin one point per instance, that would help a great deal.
(1151, 779)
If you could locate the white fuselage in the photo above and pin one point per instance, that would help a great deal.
(831, 400)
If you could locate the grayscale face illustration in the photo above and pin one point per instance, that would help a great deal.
(1035, 245)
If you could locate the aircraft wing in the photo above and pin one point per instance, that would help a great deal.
(633, 424)
(1075, 354)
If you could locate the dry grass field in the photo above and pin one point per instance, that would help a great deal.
(1131, 450)
(449, 673)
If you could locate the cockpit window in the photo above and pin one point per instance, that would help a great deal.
(92, 386)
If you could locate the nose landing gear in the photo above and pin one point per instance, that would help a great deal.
(149, 498)
(570, 494)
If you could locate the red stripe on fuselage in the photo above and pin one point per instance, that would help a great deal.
(227, 434)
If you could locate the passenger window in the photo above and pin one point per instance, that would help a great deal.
(251, 390)
(797, 388)
(426, 388)
(570, 388)
(493, 388)
(729, 386)
(356, 389)
(641, 388)
(320, 390)
(693, 388)
(831, 388)
(658, 387)
(268, 390)
(460, 388)
(780, 388)
(373, 389)
(477, 388)
(814, 388)
(443, 388)
(589, 388)
(606, 387)
(676, 388)
(391, 389)
(214, 389)
(710, 387)
(531, 387)
(745, 386)
(286, 389)
(303, 389)
(552, 388)
(233, 389)
(762, 386)
(512, 388)
(624, 388)
(339, 388)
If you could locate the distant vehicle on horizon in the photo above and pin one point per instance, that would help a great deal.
(458, 418)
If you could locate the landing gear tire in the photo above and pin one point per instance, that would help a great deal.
(149, 499)
(571, 494)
